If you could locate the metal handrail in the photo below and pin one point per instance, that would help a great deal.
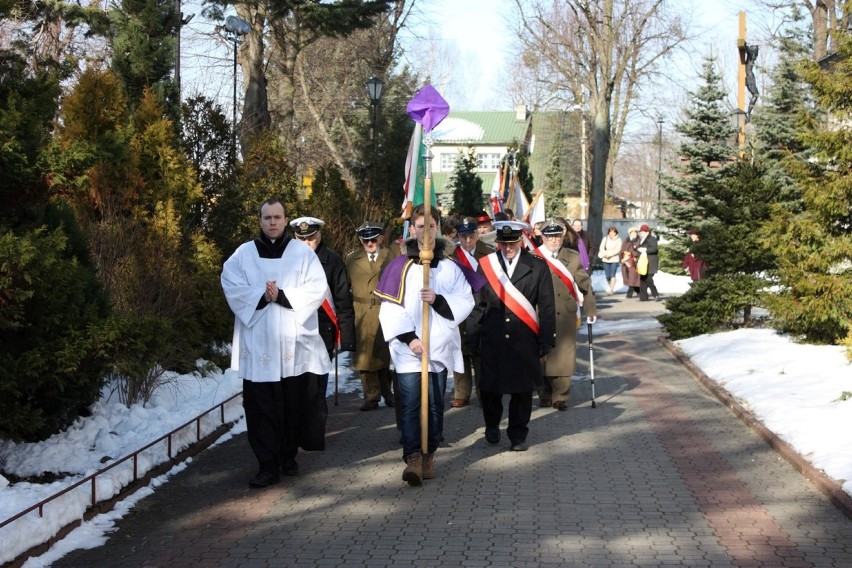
(134, 456)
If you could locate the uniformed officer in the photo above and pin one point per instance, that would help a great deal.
(336, 316)
(568, 288)
(372, 358)
(468, 253)
(511, 327)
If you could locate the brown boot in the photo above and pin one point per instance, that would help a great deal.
(428, 466)
(413, 472)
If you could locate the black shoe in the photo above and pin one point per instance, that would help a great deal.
(290, 469)
(264, 479)
(370, 405)
(519, 447)
(389, 401)
(492, 435)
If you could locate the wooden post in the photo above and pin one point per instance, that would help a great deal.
(741, 84)
(426, 256)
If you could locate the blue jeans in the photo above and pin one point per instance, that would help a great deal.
(408, 399)
(611, 269)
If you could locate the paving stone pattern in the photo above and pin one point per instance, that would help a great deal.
(659, 474)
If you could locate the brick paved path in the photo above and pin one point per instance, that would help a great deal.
(659, 474)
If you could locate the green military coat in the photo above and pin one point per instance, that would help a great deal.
(371, 352)
(561, 360)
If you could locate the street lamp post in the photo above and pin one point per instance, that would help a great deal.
(375, 86)
(659, 161)
(236, 28)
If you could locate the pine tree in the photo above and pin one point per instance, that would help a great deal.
(555, 196)
(134, 191)
(815, 267)
(51, 304)
(466, 184)
(206, 140)
(704, 155)
(143, 50)
(733, 206)
(334, 203)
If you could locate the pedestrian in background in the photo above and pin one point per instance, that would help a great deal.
(584, 245)
(610, 254)
(692, 265)
(468, 253)
(647, 245)
(629, 273)
(336, 315)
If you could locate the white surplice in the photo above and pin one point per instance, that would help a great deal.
(445, 351)
(276, 342)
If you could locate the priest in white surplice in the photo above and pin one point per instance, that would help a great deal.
(275, 285)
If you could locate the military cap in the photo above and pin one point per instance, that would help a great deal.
(552, 227)
(509, 231)
(369, 230)
(483, 217)
(467, 226)
(306, 226)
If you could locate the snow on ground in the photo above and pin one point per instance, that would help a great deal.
(797, 391)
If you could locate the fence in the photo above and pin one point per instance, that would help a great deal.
(134, 457)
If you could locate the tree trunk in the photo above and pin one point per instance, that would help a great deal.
(255, 116)
(819, 19)
(600, 158)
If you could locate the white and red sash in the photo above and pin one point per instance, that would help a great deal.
(330, 310)
(559, 269)
(506, 291)
(465, 258)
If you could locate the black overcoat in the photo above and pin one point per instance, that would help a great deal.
(650, 244)
(509, 350)
(338, 283)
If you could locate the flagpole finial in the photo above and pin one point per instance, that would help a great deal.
(428, 108)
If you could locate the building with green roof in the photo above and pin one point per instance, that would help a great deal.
(550, 139)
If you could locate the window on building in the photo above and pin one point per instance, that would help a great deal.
(488, 162)
(448, 161)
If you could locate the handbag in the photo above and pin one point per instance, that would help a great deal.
(642, 264)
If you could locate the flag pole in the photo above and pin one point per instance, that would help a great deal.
(428, 109)
(426, 256)
(528, 214)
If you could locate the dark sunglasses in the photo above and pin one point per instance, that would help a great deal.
(373, 240)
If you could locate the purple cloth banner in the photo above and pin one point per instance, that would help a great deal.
(428, 108)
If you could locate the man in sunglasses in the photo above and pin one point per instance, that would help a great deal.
(372, 358)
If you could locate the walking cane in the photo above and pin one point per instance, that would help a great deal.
(592, 362)
(336, 355)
